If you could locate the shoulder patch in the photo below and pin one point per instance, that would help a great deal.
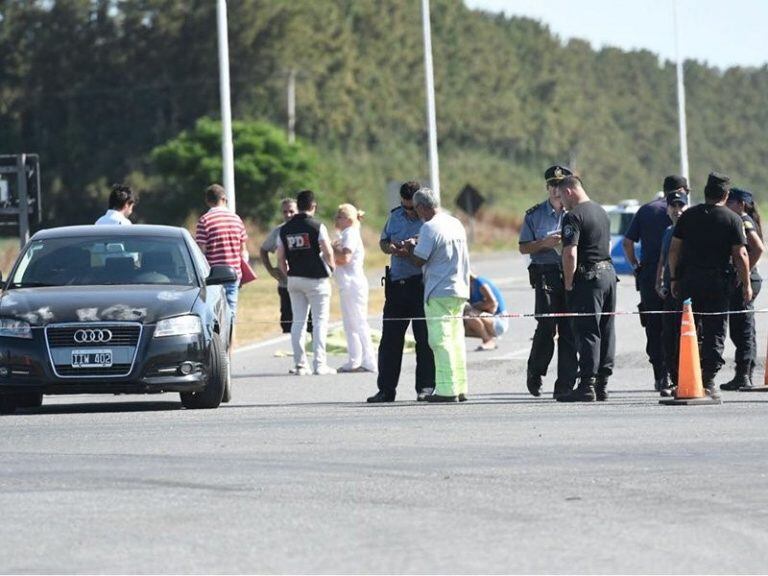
(532, 209)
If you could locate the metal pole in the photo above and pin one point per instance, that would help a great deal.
(291, 96)
(21, 173)
(681, 103)
(434, 165)
(227, 152)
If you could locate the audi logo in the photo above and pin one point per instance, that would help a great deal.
(99, 335)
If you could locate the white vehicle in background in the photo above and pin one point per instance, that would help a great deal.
(621, 215)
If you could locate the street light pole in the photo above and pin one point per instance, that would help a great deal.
(434, 166)
(681, 103)
(227, 151)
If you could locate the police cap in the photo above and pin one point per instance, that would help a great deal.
(675, 182)
(676, 196)
(556, 173)
(741, 195)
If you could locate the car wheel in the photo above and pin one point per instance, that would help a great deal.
(8, 403)
(227, 380)
(29, 400)
(212, 394)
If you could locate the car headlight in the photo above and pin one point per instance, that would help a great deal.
(179, 326)
(15, 328)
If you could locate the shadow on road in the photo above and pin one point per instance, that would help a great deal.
(99, 407)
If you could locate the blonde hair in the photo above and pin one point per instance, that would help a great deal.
(349, 211)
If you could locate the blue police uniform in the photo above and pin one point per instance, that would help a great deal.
(546, 277)
(648, 227)
(404, 298)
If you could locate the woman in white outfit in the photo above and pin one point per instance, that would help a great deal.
(349, 254)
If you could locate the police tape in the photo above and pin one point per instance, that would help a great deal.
(520, 315)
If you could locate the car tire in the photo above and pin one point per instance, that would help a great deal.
(8, 403)
(210, 396)
(227, 397)
(29, 400)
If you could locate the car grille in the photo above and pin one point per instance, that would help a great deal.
(61, 338)
(114, 370)
(64, 337)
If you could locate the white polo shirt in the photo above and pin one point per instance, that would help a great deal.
(114, 218)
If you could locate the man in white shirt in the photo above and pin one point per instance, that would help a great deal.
(442, 252)
(121, 203)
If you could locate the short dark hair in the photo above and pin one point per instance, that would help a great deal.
(570, 181)
(305, 200)
(215, 193)
(119, 196)
(408, 189)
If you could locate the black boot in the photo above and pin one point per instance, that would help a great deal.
(710, 388)
(740, 379)
(601, 388)
(584, 392)
(562, 389)
(751, 382)
(534, 384)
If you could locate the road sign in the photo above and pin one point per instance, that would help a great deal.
(469, 200)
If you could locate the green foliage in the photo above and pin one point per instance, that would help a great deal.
(95, 85)
(267, 168)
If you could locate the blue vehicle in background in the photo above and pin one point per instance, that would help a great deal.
(621, 215)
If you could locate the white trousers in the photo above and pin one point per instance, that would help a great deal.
(306, 293)
(354, 313)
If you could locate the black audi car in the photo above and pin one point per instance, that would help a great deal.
(117, 310)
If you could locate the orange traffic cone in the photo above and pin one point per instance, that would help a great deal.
(764, 387)
(689, 387)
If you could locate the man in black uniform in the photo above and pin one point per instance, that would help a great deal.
(706, 238)
(540, 238)
(590, 285)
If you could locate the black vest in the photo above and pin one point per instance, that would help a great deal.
(300, 237)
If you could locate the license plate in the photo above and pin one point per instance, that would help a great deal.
(91, 358)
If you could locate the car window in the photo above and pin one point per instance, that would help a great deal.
(99, 261)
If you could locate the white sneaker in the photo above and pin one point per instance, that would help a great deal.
(324, 371)
(300, 371)
(422, 396)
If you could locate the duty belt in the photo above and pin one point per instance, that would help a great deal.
(602, 265)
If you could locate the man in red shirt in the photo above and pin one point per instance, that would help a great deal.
(221, 236)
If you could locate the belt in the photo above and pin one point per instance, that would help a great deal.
(602, 265)
(409, 280)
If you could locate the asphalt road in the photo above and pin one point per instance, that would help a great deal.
(298, 474)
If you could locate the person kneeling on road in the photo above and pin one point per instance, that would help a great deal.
(484, 313)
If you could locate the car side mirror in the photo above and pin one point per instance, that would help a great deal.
(221, 274)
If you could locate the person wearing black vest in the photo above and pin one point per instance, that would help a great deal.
(305, 256)
(707, 247)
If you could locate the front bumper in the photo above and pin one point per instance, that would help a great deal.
(25, 366)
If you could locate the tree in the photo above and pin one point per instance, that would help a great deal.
(267, 168)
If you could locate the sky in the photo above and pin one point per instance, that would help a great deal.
(721, 33)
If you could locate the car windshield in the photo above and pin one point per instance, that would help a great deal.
(88, 261)
(620, 222)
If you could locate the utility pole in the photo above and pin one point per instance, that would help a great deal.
(227, 151)
(21, 179)
(291, 105)
(434, 165)
(681, 102)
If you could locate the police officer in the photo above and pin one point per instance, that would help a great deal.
(705, 239)
(540, 238)
(648, 227)
(742, 326)
(590, 285)
(404, 298)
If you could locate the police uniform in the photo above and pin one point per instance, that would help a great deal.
(588, 228)
(404, 298)
(708, 233)
(648, 227)
(741, 327)
(546, 277)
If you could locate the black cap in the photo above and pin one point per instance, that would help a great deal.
(718, 185)
(741, 195)
(677, 196)
(556, 173)
(675, 182)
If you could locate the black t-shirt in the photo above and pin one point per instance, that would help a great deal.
(709, 233)
(588, 228)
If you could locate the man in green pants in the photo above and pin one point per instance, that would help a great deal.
(441, 249)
